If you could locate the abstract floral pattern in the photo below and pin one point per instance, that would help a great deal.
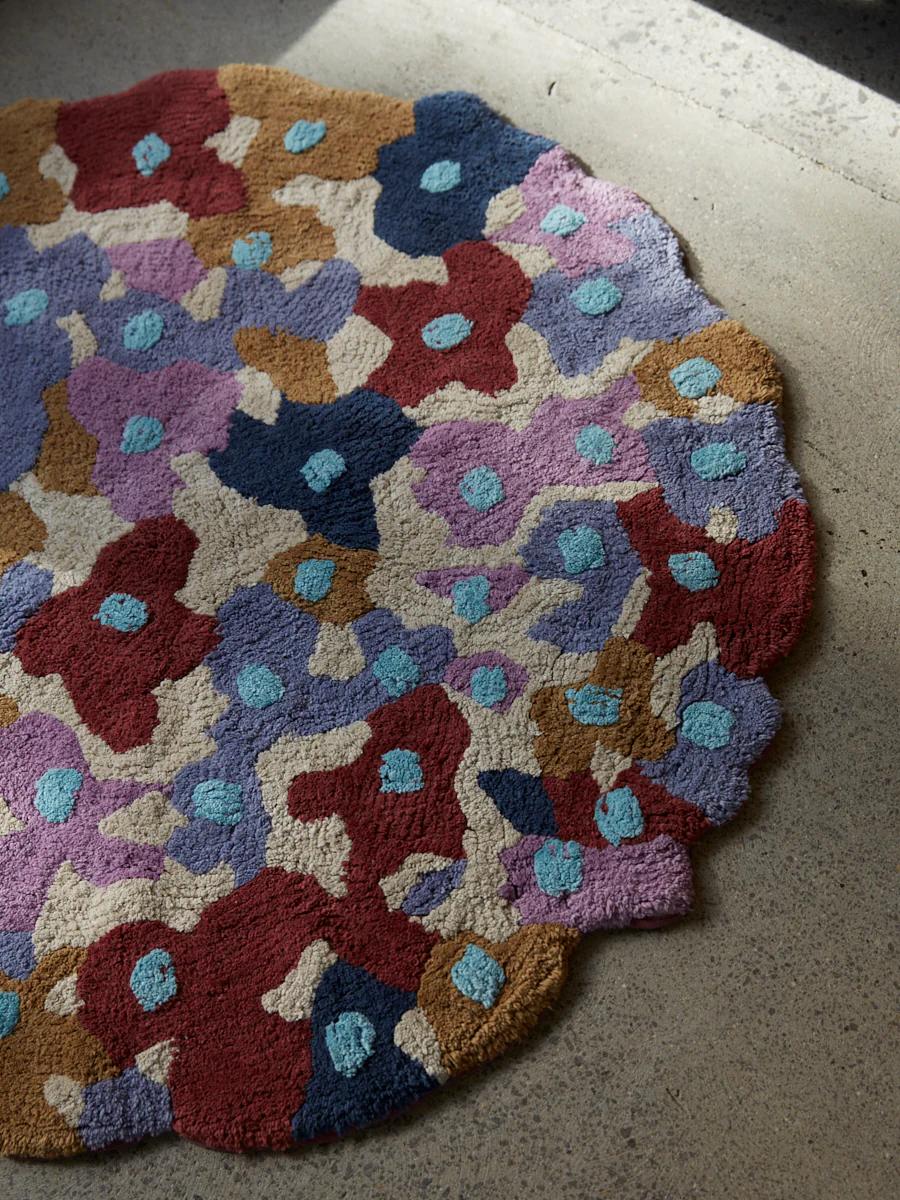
(392, 538)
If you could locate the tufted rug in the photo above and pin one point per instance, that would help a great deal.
(392, 540)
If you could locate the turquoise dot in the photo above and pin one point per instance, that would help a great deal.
(4, 186)
(401, 771)
(618, 815)
(55, 793)
(122, 611)
(695, 377)
(595, 297)
(482, 489)
(558, 867)
(149, 153)
(478, 976)
(218, 801)
(441, 176)
(489, 686)
(322, 468)
(581, 549)
(313, 578)
(25, 307)
(258, 686)
(153, 979)
(250, 252)
(9, 1012)
(443, 333)
(141, 435)
(594, 705)
(563, 220)
(350, 1041)
(707, 724)
(596, 444)
(395, 671)
(694, 570)
(303, 135)
(470, 598)
(718, 460)
(143, 330)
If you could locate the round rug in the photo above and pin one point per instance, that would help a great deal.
(393, 539)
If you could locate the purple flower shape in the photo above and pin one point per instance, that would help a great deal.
(739, 463)
(724, 724)
(649, 296)
(565, 883)
(579, 442)
(572, 215)
(143, 420)
(46, 783)
(23, 589)
(582, 541)
(317, 309)
(126, 1108)
(166, 267)
(35, 290)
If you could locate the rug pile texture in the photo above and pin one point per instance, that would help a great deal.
(393, 539)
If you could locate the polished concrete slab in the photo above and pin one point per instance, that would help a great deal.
(747, 1052)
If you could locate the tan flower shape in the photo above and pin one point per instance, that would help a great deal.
(336, 593)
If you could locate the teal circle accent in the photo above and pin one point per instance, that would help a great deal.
(55, 793)
(143, 330)
(401, 771)
(618, 815)
(443, 333)
(25, 307)
(4, 185)
(695, 377)
(395, 671)
(442, 176)
(482, 488)
(350, 1041)
(322, 468)
(718, 460)
(258, 686)
(313, 578)
(478, 976)
(149, 153)
(563, 220)
(489, 686)
(218, 801)
(558, 867)
(470, 598)
(303, 135)
(596, 444)
(594, 705)
(251, 252)
(141, 435)
(10, 1008)
(153, 981)
(707, 724)
(581, 549)
(122, 611)
(596, 297)
(694, 570)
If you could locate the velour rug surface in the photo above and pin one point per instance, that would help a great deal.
(393, 539)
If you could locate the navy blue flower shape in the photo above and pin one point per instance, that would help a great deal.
(437, 183)
(319, 460)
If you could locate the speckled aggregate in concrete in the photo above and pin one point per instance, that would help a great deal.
(746, 1054)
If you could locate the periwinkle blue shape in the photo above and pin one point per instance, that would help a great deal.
(432, 889)
(153, 979)
(478, 976)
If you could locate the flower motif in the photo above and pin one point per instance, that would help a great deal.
(21, 531)
(27, 131)
(143, 420)
(756, 594)
(738, 463)
(572, 215)
(582, 541)
(57, 806)
(437, 183)
(319, 460)
(147, 144)
(122, 632)
(648, 296)
(323, 579)
(23, 589)
(165, 267)
(450, 331)
(579, 442)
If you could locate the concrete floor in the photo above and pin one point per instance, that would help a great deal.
(746, 1053)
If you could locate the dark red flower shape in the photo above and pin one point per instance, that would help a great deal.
(117, 168)
(761, 599)
(122, 632)
(486, 289)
